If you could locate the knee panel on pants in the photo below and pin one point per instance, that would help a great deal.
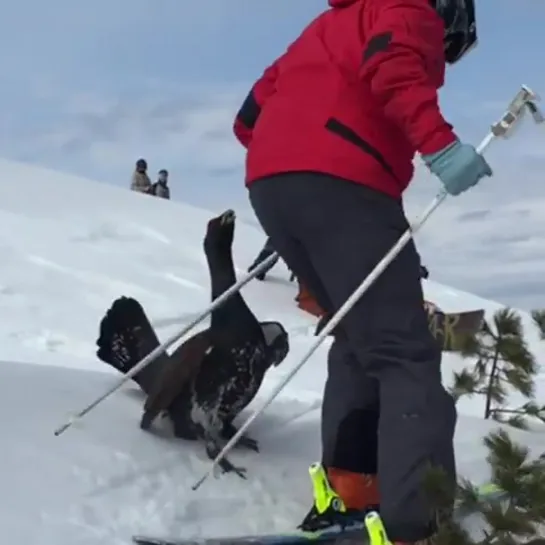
(353, 445)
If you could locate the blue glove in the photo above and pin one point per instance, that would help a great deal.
(458, 166)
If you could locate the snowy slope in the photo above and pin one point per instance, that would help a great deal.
(69, 247)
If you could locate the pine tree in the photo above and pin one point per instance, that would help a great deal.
(503, 363)
(515, 515)
(515, 512)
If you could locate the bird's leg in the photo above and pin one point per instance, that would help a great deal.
(229, 431)
(213, 441)
(213, 448)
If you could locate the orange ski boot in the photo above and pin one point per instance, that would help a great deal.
(341, 499)
(357, 490)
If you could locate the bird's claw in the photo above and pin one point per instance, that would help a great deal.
(213, 451)
(248, 443)
(227, 467)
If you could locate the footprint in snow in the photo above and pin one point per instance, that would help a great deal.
(183, 281)
(153, 234)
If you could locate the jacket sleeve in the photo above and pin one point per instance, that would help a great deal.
(248, 114)
(404, 63)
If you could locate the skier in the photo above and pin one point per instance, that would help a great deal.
(160, 187)
(265, 252)
(140, 180)
(331, 129)
(424, 273)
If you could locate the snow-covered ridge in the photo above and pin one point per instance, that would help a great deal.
(69, 247)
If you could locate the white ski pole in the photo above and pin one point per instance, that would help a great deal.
(523, 101)
(154, 354)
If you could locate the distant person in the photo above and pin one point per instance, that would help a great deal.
(265, 252)
(140, 179)
(160, 187)
(424, 273)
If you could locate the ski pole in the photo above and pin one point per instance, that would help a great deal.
(523, 101)
(154, 354)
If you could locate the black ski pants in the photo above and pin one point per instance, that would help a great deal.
(332, 233)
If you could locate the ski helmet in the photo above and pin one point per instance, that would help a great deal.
(460, 27)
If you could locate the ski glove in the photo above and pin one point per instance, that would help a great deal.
(458, 166)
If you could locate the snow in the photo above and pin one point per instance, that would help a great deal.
(69, 247)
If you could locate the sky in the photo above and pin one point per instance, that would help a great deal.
(88, 88)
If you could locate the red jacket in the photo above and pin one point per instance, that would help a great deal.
(355, 96)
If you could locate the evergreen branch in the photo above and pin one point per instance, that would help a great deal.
(538, 316)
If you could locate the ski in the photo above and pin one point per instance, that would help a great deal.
(356, 533)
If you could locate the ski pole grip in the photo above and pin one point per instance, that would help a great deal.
(524, 101)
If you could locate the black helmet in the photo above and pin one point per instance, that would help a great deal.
(141, 164)
(460, 27)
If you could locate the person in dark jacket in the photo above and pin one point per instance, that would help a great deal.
(265, 252)
(160, 187)
(331, 129)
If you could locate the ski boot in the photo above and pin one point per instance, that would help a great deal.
(375, 529)
(330, 512)
(377, 533)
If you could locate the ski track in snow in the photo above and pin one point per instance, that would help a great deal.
(104, 479)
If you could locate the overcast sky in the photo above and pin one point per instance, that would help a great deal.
(88, 87)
